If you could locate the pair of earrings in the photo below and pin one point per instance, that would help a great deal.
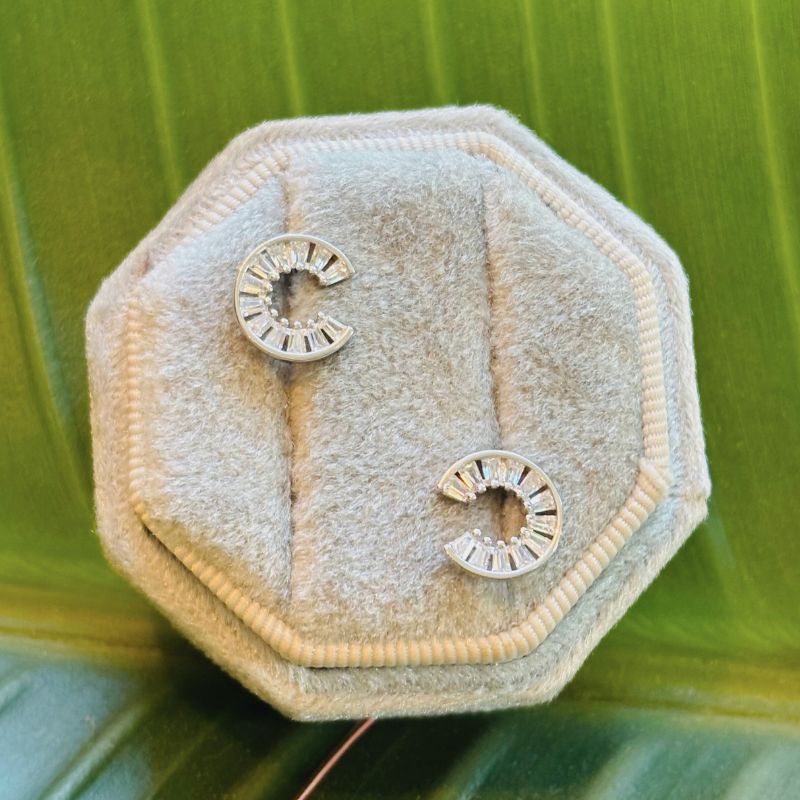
(463, 481)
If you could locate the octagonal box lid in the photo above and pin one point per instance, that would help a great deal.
(286, 517)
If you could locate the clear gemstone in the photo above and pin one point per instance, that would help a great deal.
(534, 542)
(513, 471)
(251, 305)
(543, 524)
(259, 324)
(284, 256)
(472, 470)
(479, 556)
(489, 469)
(276, 336)
(331, 327)
(455, 490)
(532, 483)
(520, 556)
(251, 287)
(299, 251)
(317, 341)
(321, 257)
(467, 480)
(500, 561)
(543, 502)
(502, 469)
(333, 271)
(463, 546)
(297, 342)
(267, 267)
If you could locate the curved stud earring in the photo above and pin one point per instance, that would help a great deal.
(537, 540)
(298, 341)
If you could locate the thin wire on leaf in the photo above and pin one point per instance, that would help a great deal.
(334, 758)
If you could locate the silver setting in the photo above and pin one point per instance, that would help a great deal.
(537, 540)
(259, 319)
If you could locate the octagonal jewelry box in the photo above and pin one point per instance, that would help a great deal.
(286, 516)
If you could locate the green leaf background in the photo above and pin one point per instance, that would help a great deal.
(687, 111)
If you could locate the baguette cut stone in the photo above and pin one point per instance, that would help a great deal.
(494, 558)
(291, 341)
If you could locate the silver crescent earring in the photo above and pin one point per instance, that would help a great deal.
(537, 540)
(298, 341)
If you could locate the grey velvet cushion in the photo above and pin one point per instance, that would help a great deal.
(285, 516)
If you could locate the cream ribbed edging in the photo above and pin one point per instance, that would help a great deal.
(652, 482)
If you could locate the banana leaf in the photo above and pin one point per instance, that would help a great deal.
(686, 111)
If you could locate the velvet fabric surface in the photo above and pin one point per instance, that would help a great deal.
(285, 516)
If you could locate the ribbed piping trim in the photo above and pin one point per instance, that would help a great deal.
(650, 486)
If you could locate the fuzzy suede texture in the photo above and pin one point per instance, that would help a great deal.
(482, 320)
(214, 420)
(537, 338)
(376, 427)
